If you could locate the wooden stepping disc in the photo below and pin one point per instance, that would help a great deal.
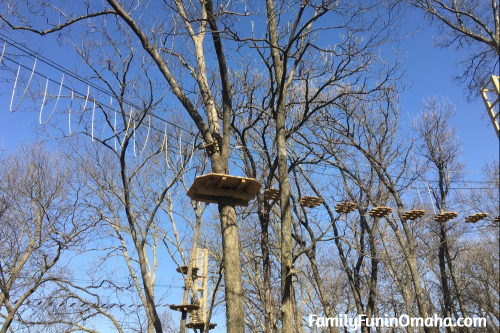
(310, 202)
(272, 194)
(184, 307)
(475, 217)
(497, 219)
(346, 207)
(413, 214)
(184, 270)
(446, 216)
(208, 188)
(200, 326)
(380, 211)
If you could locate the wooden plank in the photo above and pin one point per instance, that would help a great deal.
(310, 202)
(473, 218)
(346, 207)
(242, 183)
(207, 188)
(380, 211)
(219, 192)
(445, 216)
(272, 193)
(221, 182)
(413, 214)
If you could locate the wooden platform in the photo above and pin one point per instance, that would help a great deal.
(497, 219)
(413, 214)
(271, 194)
(310, 202)
(473, 218)
(446, 216)
(184, 270)
(200, 326)
(380, 211)
(346, 207)
(184, 307)
(209, 187)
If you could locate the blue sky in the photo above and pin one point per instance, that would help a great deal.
(429, 69)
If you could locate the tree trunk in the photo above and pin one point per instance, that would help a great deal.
(232, 267)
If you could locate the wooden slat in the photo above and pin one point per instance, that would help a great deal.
(310, 202)
(208, 188)
(413, 214)
(184, 307)
(380, 211)
(271, 193)
(346, 207)
(445, 216)
(473, 218)
(240, 186)
(219, 192)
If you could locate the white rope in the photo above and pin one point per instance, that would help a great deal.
(430, 197)
(25, 90)
(71, 106)
(419, 198)
(92, 130)
(43, 102)
(3, 51)
(180, 149)
(126, 130)
(147, 137)
(165, 141)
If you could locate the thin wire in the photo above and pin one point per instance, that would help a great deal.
(25, 90)
(43, 102)
(56, 66)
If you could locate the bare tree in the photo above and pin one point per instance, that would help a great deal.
(42, 220)
(473, 26)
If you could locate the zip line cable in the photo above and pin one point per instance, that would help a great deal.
(65, 71)
(68, 72)
(76, 94)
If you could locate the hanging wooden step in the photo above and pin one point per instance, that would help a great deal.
(200, 326)
(346, 207)
(446, 216)
(184, 307)
(271, 194)
(310, 202)
(497, 219)
(380, 211)
(184, 270)
(209, 187)
(473, 218)
(413, 214)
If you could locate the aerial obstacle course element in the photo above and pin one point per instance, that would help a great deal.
(473, 218)
(445, 216)
(271, 194)
(310, 202)
(491, 98)
(413, 214)
(380, 211)
(198, 308)
(346, 207)
(208, 188)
